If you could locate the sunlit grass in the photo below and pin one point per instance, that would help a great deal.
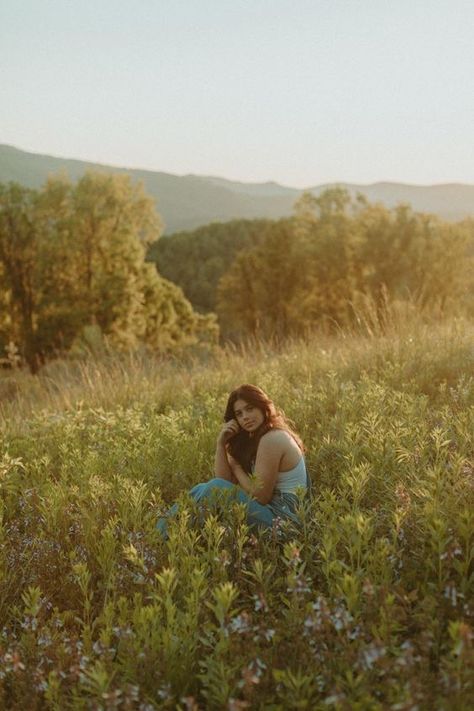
(369, 605)
(407, 352)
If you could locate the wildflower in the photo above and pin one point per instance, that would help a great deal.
(334, 699)
(44, 640)
(164, 692)
(451, 594)
(407, 657)
(223, 558)
(267, 634)
(300, 584)
(241, 623)
(260, 604)
(355, 632)
(113, 697)
(17, 664)
(341, 618)
(371, 654)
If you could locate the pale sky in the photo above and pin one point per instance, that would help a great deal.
(302, 92)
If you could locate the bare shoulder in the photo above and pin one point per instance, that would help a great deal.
(276, 438)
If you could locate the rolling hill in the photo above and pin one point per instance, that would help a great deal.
(189, 201)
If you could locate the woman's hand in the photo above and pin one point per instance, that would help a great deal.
(229, 430)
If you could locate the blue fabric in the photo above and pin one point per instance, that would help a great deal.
(258, 515)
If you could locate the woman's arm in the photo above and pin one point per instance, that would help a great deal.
(269, 454)
(222, 470)
(241, 477)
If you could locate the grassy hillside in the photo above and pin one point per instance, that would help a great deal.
(368, 606)
(189, 201)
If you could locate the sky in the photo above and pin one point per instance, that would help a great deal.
(301, 92)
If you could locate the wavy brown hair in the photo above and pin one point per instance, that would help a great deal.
(243, 447)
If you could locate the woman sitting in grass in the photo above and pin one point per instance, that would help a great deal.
(258, 457)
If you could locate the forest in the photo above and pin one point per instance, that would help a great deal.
(82, 265)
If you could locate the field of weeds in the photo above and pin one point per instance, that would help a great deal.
(368, 606)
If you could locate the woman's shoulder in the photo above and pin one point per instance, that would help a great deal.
(277, 437)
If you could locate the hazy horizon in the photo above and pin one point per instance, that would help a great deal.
(298, 93)
(225, 178)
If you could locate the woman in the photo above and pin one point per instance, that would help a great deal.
(259, 457)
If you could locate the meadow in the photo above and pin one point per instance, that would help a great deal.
(368, 605)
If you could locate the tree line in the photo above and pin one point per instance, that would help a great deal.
(73, 260)
(320, 266)
(85, 258)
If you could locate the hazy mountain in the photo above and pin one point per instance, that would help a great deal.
(186, 202)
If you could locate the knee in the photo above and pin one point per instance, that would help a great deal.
(218, 483)
(213, 485)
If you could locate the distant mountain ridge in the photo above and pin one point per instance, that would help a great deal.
(189, 201)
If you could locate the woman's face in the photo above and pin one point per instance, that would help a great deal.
(248, 416)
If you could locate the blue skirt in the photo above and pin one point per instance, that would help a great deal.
(282, 506)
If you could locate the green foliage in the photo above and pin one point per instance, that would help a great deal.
(196, 260)
(72, 268)
(367, 605)
(19, 255)
(339, 262)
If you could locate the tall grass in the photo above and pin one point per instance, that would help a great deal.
(396, 345)
(369, 605)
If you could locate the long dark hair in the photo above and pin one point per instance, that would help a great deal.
(243, 446)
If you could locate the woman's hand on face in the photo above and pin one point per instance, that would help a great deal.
(229, 430)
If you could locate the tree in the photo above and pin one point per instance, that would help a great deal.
(411, 255)
(297, 275)
(255, 294)
(73, 256)
(19, 246)
(336, 253)
(196, 260)
(114, 224)
(327, 239)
